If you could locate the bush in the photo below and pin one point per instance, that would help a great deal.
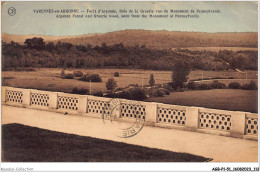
(91, 77)
(167, 92)
(25, 69)
(77, 73)
(98, 94)
(123, 94)
(168, 86)
(29, 69)
(18, 69)
(119, 89)
(251, 86)
(62, 73)
(116, 74)
(75, 90)
(158, 93)
(151, 80)
(111, 84)
(137, 94)
(245, 86)
(180, 73)
(68, 76)
(133, 85)
(217, 85)
(191, 85)
(204, 87)
(234, 85)
(82, 91)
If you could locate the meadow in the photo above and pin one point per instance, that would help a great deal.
(225, 99)
(216, 49)
(49, 79)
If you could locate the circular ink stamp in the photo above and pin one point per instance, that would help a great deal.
(126, 116)
(11, 11)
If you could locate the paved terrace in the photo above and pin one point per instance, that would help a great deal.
(219, 148)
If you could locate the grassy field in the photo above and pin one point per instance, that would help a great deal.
(226, 99)
(29, 144)
(217, 49)
(49, 79)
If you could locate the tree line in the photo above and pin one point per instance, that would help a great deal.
(36, 52)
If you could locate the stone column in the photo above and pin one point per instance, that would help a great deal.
(83, 101)
(238, 122)
(26, 98)
(3, 94)
(192, 118)
(53, 100)
(151, 113)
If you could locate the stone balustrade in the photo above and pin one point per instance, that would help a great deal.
(198, 119)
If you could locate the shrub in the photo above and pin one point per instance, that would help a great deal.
(29, 69)
(123, 94)
(151, 81)
(133, 85)
(204, 87)
(62, 73)
(217, 85)
(251, 86)
(245, 86)
(180, 73)
(168, 86)
(77, 73)
(116, 74)
(99, 94)
(82, 91)
(137, 94)
(111, 84)
(167, 92)
(119, 89)
(234, 85)
(25, 69)
(191, 85)
(68, 76)
(91, 77)
(18, 69)
(158, 93)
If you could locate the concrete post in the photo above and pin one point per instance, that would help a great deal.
(238, 122)
(151, 113)
(26, 98)
(192, 118)
(3, 94)
(83, 100)
(53, 100)
(115, 108)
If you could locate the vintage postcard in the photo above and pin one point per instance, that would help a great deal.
(88, 82)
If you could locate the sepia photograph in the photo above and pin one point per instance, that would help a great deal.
(131, 81)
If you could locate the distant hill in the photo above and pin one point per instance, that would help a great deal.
(21, 38)
(153, 39)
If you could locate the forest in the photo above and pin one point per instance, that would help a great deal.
(35, 52)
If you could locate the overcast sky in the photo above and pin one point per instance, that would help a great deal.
(234, 17)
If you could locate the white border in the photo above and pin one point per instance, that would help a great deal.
(125, 166)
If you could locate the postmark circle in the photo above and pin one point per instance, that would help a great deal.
(125, 116)
(11, 11)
